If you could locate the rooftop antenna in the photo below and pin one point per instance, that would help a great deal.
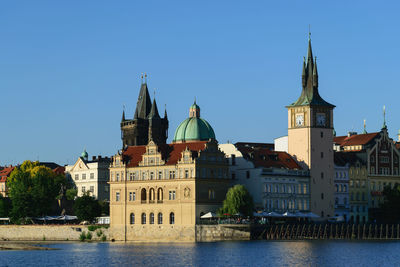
(365, 130)
(141, 77)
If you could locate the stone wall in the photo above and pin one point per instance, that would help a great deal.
(154, 233)
(46, 232)
(222, 232)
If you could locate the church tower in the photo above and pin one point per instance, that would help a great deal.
(146, 123)
(310, 138)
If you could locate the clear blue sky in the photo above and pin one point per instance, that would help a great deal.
(67, 68)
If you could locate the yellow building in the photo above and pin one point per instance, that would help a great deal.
(159, 192)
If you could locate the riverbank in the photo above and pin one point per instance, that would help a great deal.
(51, 233)
(22, 246)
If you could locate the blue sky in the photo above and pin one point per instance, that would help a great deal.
(68, 67)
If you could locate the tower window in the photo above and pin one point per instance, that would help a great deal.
(247, 174)
(322, 155)
(322, 134)
(322, 195)
(322, 175)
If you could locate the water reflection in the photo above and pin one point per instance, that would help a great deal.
(254, 253)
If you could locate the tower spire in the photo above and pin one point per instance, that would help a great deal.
(365, 130)
(384, 118)
(165, 111)
(123, 113)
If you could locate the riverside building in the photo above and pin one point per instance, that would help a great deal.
(273, 178)
(90, 175)
(159, 191)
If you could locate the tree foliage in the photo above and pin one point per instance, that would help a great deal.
(33, 189)
(390, 209)
(71, 193)
(5, 206)
(238, 201)
(86, 208)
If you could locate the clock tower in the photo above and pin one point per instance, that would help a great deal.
(310, 138)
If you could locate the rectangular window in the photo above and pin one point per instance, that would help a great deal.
(117, 177)
(83, 176)
(322, 155)
(186, 173)
(159, 175)
(130, 196)
(131, 176)
(134, 196)
(117, 196)
(76, 176)
(83, 189)
(151, 175)
(172, 195)
(92, 176)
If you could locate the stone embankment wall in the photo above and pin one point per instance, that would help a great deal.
(153, 233)
(46, 232)
(222, 232)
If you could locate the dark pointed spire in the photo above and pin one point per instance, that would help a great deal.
(384, 118)
(123, 116)
(165, 112)
(315, 74)
(154, 111)
(143, 105)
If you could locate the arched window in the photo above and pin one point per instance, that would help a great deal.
(171, 218)
(345, 188)
(143, 195)
(160, 218)
(151, 218)
(337, 188)
(143, 218)
(132, 218)
(152, 195)
(160, 195)
(341, 188)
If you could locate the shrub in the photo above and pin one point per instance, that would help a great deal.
(99, 233)
(92, 227)
(103, 238)
(89, 236)
(82, 236)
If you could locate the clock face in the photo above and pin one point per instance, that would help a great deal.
(321, 119)
(299, 120)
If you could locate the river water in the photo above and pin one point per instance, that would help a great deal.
(251, 253)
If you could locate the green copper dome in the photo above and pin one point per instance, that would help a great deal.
(194, 128)
(84, 154)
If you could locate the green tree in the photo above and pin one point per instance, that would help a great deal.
(5, 206)
(238, 200)
(86, 208)
(389, 211)
(105, 207)
(33, 190)
(71, 193)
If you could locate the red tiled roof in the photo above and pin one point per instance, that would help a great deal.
(264, 157)
(4, 173)
(59, 170)
(354, 140)
(171, 153)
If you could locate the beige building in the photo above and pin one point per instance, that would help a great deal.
(90, 176)
(310, 138)
(159, 192)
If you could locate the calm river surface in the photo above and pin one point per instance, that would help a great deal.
(254, 253)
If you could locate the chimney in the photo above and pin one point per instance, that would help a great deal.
(93, 157)
(99, 157)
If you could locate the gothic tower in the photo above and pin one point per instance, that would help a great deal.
(310, 138)
(146, 123)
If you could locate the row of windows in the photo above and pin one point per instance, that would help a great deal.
(151, 218)
(341, 174)
(83, 189)
(287, 188)
(357, 183)
(286, 204)
(168, 174)
(83, 176)
(152, 195)
(341, 187)
(357, 196)
(358, 208)
(379, 186)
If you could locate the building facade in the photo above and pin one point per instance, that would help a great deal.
(310, 138)
(342, 203)
(4, 175)
(159, 192)
(274, 179)
(90, 176)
